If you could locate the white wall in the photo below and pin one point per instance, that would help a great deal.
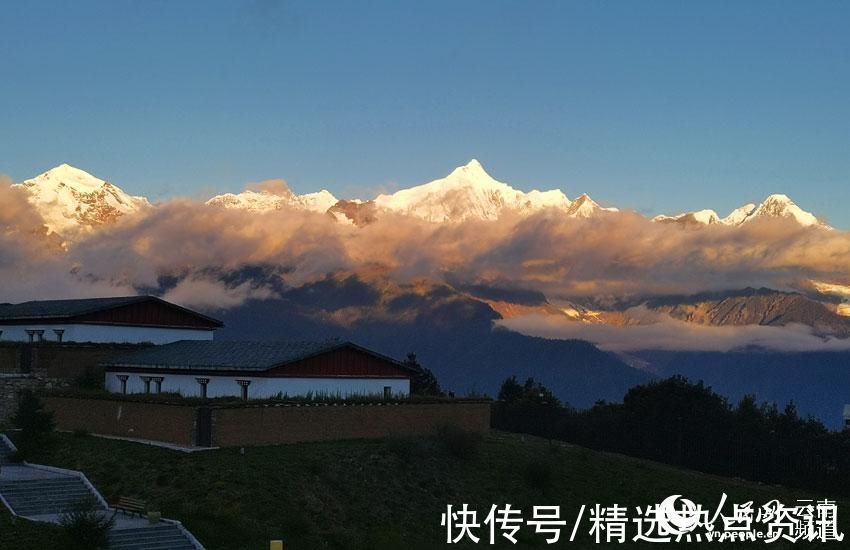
(105, 333)
(261, 387)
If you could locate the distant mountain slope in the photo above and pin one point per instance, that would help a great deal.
(754, 307)
(450, 333)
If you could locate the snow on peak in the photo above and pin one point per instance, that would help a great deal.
(585, 207)
(267, 198)
(781, 206)
(700, 217)
(737, 216)
(468, 192)
(774, 206)
(70, 200)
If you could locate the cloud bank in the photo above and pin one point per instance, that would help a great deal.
(603, 259)
(673, 335)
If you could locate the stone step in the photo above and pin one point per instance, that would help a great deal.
(162, 537)
(153, 530)
(35, 497)
(45, 492)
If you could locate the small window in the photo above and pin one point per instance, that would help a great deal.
(388, 392)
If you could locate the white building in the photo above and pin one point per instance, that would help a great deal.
(133, 319)
(258, 370)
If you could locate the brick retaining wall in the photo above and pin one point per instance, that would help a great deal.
(154, 421)
(265, 424)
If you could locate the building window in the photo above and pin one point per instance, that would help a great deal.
(244, 387)
(157, 380)
(203, 382)
(123, 379)
(388, 392)
(31, 335)
(59, 332)
(147, 381)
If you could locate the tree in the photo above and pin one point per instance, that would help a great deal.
(423, 381)
(34, 422)
(511, 390)
(531, 392)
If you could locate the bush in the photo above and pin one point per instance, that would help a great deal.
(86, 527)
(35, 423)
(459, 443)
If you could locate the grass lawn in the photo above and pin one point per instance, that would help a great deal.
(384, 494)
(20, 534)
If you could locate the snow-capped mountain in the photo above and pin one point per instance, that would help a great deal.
(469, 192)
(70, 199)
(269, 200)
(781, 206)
(774, 206)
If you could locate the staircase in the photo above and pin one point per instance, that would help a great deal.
(43, 493)
(46, 495)
(5, 452)
(162, 536)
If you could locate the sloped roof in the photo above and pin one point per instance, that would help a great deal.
(229, 355)
(65, 309)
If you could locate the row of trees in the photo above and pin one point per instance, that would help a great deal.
(687, 424)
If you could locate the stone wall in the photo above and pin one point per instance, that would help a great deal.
(48, 365)
(12, 384)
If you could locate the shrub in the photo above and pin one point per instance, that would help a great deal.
(35, 423)
(459, 443)
(86, 527)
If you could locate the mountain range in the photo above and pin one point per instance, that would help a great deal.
(71, 200)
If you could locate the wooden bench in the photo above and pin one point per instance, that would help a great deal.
(132, 505)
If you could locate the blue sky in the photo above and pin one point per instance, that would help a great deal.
(659, 106)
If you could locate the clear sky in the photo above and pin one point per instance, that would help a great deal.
(661, 106)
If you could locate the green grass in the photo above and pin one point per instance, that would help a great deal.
(20, 534)
(383, 494)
